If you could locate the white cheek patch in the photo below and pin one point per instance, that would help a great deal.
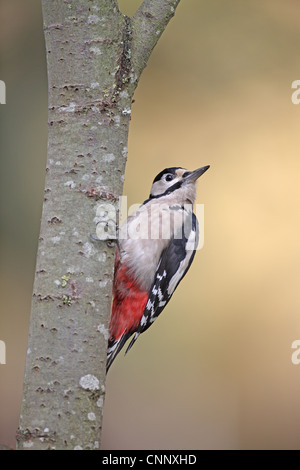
(159, 187)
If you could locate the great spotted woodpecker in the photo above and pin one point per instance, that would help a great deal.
(156, 246)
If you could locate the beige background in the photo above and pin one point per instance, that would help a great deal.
(215, 370)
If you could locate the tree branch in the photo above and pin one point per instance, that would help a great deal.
(148, 24)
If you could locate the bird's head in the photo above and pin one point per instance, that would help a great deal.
(177, 183)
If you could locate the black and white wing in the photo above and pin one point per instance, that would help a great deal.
(172, 267)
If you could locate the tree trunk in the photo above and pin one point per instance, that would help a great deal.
(95, 56)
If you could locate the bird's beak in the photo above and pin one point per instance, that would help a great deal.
(194, 175)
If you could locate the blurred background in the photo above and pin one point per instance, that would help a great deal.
(215, 370)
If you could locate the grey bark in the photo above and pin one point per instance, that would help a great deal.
(95, 56)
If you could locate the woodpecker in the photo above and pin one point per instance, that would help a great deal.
(156, 246)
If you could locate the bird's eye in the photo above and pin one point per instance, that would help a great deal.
(169, 177)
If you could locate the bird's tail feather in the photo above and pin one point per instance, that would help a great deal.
(114, 347)
(132, 342)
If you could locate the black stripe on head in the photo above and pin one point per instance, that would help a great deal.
(177, 185)
(168, 191)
